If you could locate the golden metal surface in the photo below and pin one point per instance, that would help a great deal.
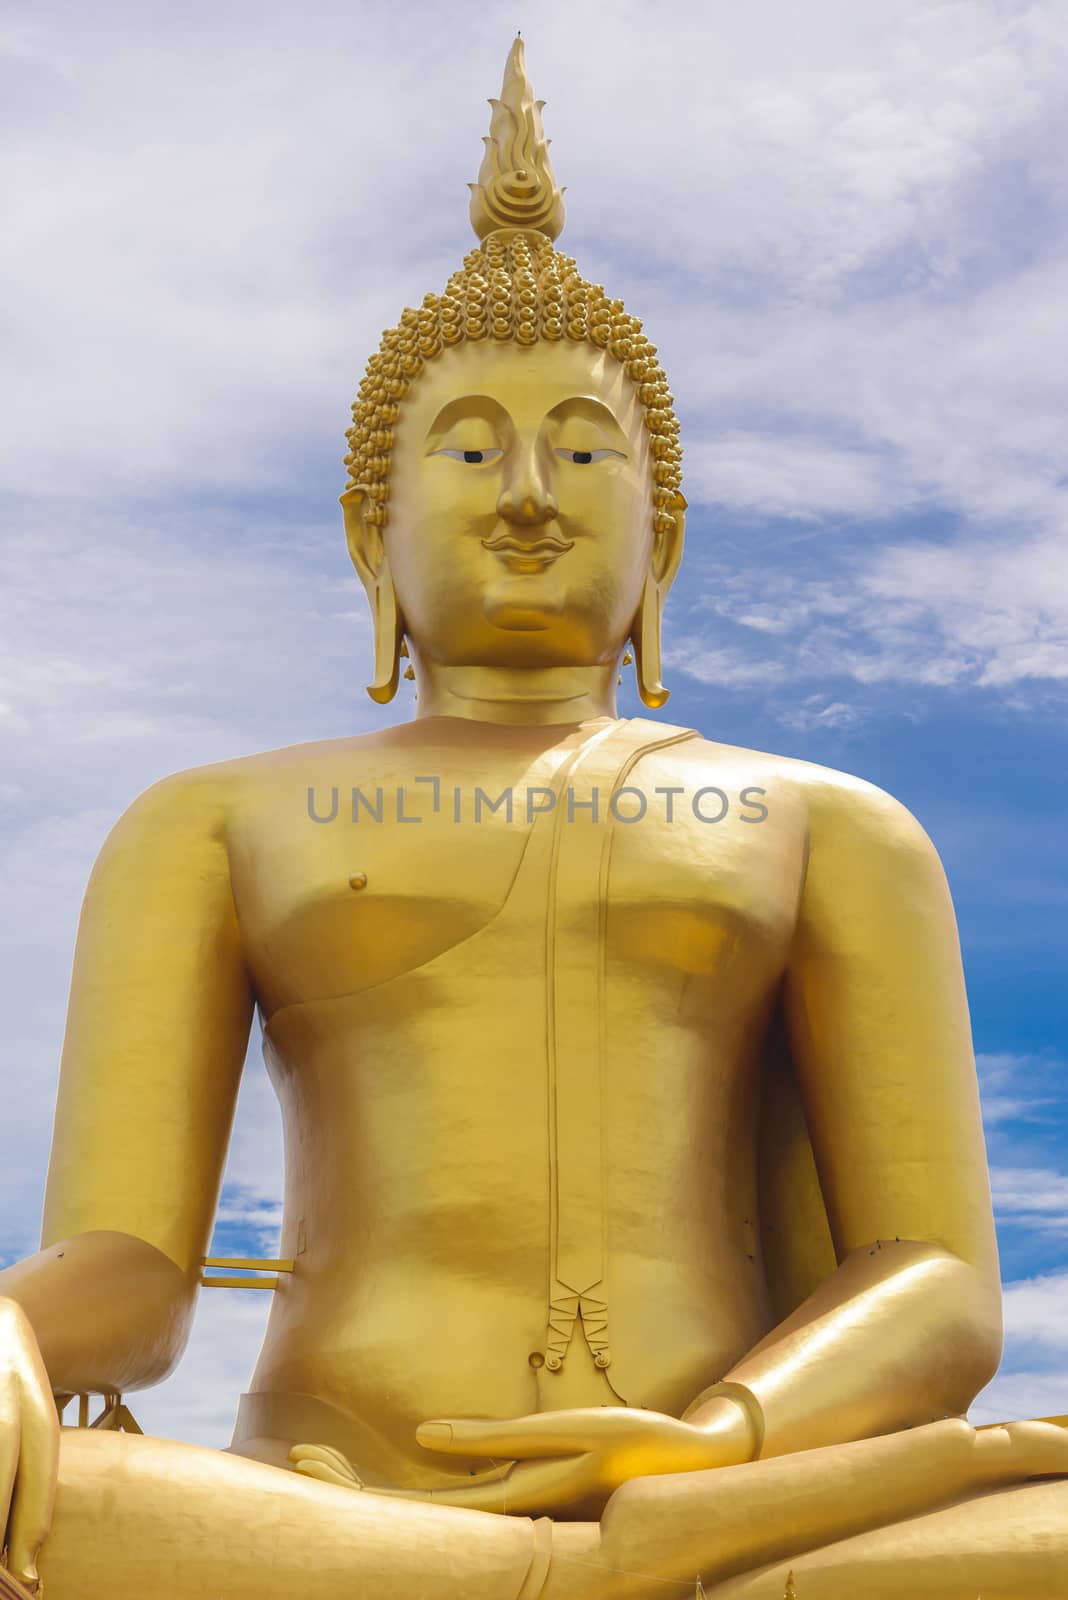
(635, 1179)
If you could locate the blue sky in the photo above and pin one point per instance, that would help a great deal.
(844, 225)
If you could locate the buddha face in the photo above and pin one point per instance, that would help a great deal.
(520, 528)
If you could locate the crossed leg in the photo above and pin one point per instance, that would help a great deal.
(1011, 1545)
(937, 1513)
(148, 1519)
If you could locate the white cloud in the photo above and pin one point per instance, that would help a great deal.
(1016, 1396)
(1033, 1381)
(769, 474)
(992, 614)
(722, 667)
(1032, 1197)
(1036, 1311)
(1015, 1087)
(1003, 610)
(1023, 1100)
(816, 711)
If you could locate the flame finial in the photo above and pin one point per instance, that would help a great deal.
(516, 187)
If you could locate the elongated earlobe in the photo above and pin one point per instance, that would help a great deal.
(364, 537)
(645, 636)
(645, 631)
(388, 636)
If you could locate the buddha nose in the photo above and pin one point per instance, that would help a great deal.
(525, 498)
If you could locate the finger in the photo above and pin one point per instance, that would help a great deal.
(327, 1460)
(541, 1486)
(494, 1474)
(319, 1452)
(327, 1474)
(35, 1485)
(537, 1487)
(485, 1498)
(308, 1455)
(425, 1495)
(548, 1433)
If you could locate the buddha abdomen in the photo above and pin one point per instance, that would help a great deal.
(428, 1135)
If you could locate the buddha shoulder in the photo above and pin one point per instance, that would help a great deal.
(211, 804)
(847, 822)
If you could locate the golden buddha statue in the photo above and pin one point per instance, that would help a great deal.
(635, 1196)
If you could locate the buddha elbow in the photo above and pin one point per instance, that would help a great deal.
(953, 1308)
(986, 1348)
(973, 1334)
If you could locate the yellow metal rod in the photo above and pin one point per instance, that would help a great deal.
(247, 1262)
(239, 1283)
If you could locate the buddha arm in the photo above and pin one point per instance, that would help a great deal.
(908, 1328)
(157, 1027)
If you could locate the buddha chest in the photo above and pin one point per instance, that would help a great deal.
(675, 859)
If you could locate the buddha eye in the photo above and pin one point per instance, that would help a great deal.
(473, 458)
(583, 458)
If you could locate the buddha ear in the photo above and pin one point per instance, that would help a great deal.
(368, 552)
(667, 546)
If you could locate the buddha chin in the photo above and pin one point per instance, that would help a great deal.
(520, 613)
(542, 603)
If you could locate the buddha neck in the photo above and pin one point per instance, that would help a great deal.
(520, 696)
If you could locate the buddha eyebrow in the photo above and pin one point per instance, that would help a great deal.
(590, 408)
(465, 406)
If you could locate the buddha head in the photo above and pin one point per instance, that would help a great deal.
(514, 464)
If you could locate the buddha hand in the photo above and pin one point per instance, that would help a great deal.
(29, 1446)
(567, 1463)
